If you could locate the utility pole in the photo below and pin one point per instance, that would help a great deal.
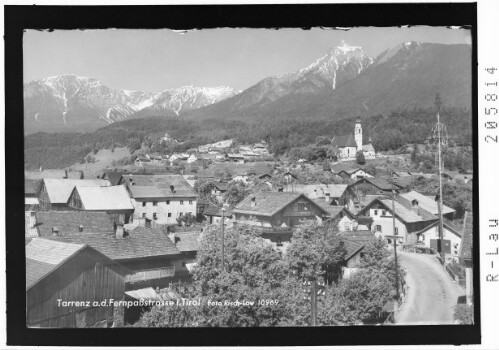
(223, 245)
(438, 105)
(394, 238)
(314, 289)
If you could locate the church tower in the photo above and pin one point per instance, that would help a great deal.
(358, 134)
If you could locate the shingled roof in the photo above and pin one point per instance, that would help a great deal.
(467, 238)
(104, 198)
(29, 187)
(380, 183)
(59, 190)
(162, 184)
(268, 203)
(319, 190)
(344, 141)
(361, 237)
(45, 174)
(68, 222)
(43, 256)
(139, 243)
(427, 203)
(188, 241)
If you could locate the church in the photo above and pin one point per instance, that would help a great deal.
(349, 145)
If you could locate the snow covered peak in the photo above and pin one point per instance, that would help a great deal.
(345, 48)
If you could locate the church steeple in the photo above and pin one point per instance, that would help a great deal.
(358, 134)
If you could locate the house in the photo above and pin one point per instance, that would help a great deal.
(142, 160)
(410, 219)
(64, 223)
(149, 254)
(54, 193)
(60, 272)
(466, 254)
(289, 177)
(188, 243)
(275, 214)
(113, 200)
(192, 158)
(219, 189)
(46, 174)
(354, 174)
(213, 214)
(349, 145)
(235, 158)
(178, 157)
(354, 243)
(155, 158)
(161, 198)
(167, 138)
(374, 186)
(334, 194)
(451, 243)
(31, 203)
(260, 148)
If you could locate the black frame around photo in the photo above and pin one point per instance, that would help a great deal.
(19, 18)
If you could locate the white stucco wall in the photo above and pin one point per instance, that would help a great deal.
(162, 209)
(386, 223)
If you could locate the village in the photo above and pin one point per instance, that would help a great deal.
(136, 232)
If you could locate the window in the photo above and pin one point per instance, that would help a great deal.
(169, 215)
(143, 204)
(389, 241)
(302, 206)
(375, 212)
(190, 213)
(181, 214)
(181, 202)
(155, 204)
(383, 212)
(167, 202)
(396, 230)
(378, 228)
(143, 215)
(422, 238)
(190, 202)
(154, 216)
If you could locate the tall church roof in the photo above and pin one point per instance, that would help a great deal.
(344, 141)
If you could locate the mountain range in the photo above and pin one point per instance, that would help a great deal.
(73, 103)
(342, 83)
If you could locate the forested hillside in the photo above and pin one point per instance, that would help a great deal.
(387, 133)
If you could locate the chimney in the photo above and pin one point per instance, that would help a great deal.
(55, 231)
(80, 228)
(415, 206)
(41, 168)
(253, 202)
(172, 189)
(316, 195)
(119, 231)
(328, 198)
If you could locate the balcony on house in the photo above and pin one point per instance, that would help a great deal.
(151, 274)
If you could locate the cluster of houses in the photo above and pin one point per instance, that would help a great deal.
(120, 236)
(218, 152)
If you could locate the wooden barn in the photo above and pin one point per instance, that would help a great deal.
(63, 280)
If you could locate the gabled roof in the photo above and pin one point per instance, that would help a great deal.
(344, 141)
(332, 210)
(361, 237)
(368, 148)
(162, 184)
(45, 174)
(351, 247)
(402, 212)
(379, 183)
(43, 256)
(68, 222)
(349, 171)
(467, 238)
(427, 203)
(114, 177)
(235, 155)
(222, 186)
(59, 190)
(217, 211)
(139, 243)
(104, 198)
(188, 241)
(320, 190)
(269, 203)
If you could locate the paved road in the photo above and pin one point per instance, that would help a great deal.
(430, 293)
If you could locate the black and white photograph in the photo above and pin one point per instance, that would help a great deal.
(249, 177)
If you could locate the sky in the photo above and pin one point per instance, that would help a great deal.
(155, 60)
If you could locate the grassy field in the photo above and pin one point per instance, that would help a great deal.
(104, 159)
